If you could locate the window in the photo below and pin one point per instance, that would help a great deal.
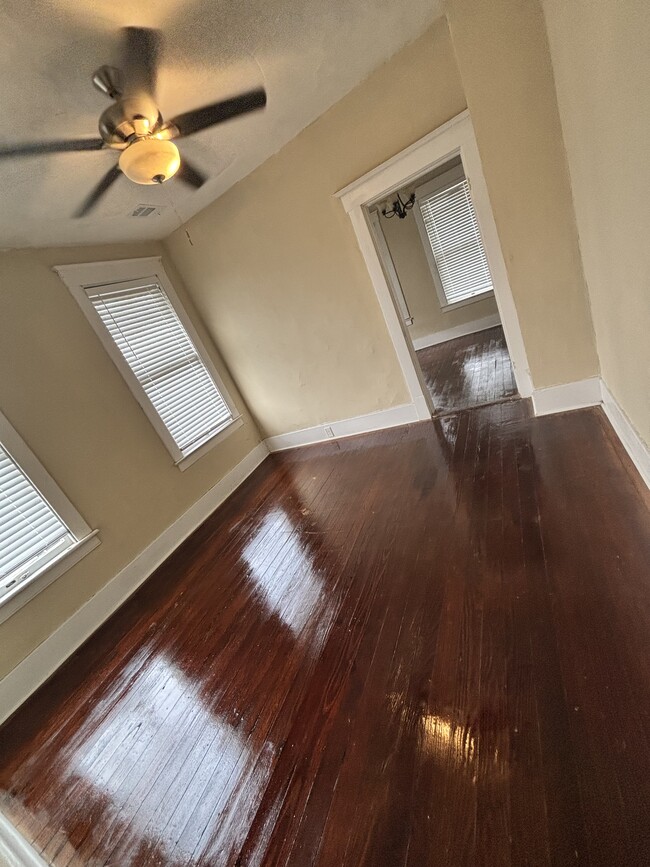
(165, 362)
(155, 347)
(41, 533)
(452, 240)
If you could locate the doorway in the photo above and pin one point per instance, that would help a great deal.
(447, 148)
(427, 237)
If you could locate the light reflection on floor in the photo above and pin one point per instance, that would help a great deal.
(468, 371)
(444, 738)
(168, 705)
(294, 591)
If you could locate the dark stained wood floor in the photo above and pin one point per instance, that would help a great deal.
(424, 646)
(469, 371)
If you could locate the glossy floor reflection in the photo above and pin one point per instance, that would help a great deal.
(469, 371)
(424, 646)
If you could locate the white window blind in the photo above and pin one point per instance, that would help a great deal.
(32, 535)
(452, 230)
(155, 344)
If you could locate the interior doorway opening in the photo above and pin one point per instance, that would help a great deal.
(450, 145)
(428, 240)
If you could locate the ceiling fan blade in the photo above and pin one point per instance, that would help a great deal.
(190, 175)
(141, 53)
(30, 149)
(95, 195)
(218, 112)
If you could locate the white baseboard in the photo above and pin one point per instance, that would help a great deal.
(458, 331)
(15, 851)
(34, 670)
(571, 395)
(636, 448)
(385, 418)
(592, 392)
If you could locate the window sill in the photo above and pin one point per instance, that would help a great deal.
(188, 460)
(27, 590)
(482, 297)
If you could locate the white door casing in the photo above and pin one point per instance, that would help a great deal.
(454, 138)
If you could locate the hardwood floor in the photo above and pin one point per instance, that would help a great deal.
(424, 646)
(469, 371)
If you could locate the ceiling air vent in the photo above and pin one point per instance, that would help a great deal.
(145, 211)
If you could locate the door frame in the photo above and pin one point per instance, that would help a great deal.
(454, 138)
(386, 259)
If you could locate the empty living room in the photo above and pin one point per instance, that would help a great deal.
(325, 433)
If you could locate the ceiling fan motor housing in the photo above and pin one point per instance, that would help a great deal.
(122, 120)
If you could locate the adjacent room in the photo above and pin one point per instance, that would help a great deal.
(324, 434)
(429, 241)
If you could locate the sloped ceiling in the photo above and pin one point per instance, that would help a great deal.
(307, 53)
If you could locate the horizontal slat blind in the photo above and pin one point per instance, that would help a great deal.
(159, 351)
(31, 533)
(452, 229)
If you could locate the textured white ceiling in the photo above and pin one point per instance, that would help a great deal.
(308, 54)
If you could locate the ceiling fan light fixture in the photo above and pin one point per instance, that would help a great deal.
(150, 161)
(134, 126)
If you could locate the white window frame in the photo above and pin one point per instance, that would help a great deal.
(86, 539)
(96, 275)
(441, 181)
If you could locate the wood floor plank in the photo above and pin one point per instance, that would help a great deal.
(422, 646)
(469, 371)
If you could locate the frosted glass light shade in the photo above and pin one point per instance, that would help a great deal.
(150, 161)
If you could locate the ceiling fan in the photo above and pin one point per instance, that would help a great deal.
(134, 126)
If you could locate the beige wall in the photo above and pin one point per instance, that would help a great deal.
(407, 252)
(66, 399)
(503, 57)
(601, 61)
(279, 281)
(274, 266)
